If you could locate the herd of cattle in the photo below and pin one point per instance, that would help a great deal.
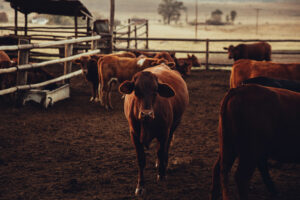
(259, 116)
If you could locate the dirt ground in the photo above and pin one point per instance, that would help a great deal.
(77, 150)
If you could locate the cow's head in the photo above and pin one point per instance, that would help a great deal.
(146, 87)
(195, 61)
(87, 64)
(184, 66)
(231, 51)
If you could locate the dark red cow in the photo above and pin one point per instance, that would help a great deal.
(154, 103)
(256, 51)
(184, 65)
(255, 123)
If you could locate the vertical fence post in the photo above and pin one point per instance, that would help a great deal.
(16, 21)
(129, 31)
(68, 64)
(135, 36)
(207, 54)
(23, 58)
(147, 34)
(94, 42)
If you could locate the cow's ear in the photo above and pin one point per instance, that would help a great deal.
(225, 48)
(126, 87)
(165, 90)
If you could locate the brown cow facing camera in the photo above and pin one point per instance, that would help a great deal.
(154, 104)
(89, 68)
(256, 123)
(256, 51)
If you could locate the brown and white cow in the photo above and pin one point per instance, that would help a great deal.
(118, 69)
(256, 123)
(245, 69)
(154, 104)
(256, 51)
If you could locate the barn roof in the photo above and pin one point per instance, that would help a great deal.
(54, 7)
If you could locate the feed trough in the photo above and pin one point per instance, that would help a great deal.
(47, 97)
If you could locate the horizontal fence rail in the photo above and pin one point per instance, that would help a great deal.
(207, 51)
(49, 44)
(37, 85)
(68, 58)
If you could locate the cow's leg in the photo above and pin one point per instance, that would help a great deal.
(243, 175)
(95, 89)
(227, 158)
(141, 160)
(264, 171)
(100, 94)
(162, 155)
(110, 86)
(215, 188)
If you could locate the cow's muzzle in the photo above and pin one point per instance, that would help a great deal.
(146, 115)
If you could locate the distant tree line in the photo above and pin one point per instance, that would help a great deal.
(216, 17)
(170, 10)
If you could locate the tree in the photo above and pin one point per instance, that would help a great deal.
(170, 10)
(233, 15)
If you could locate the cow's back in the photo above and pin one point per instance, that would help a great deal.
(258, 51)
(262, 117)
(244, 69)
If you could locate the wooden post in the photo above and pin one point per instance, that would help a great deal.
(23, 58)
(112, 16)
(88, 26)
(68, 64)
(196, 20)
(26, 24)
(76, 26)
(129, 31)
(147, 34)
(16, 21)
(94, 42)
(207, 54)
(135, 36)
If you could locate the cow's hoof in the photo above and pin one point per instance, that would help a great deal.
(96, 99)
(91, 99)
(139, 191)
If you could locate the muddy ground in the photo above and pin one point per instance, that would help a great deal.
(77, 150)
